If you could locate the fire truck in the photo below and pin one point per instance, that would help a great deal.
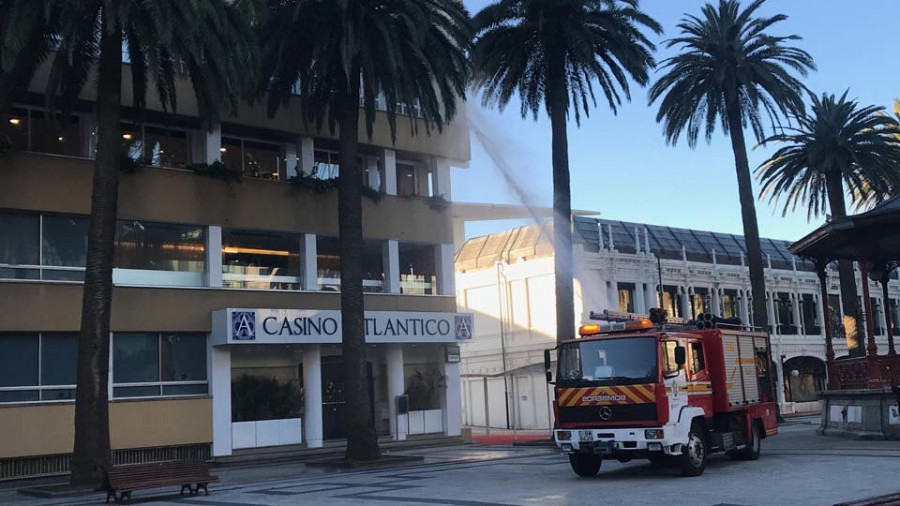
(670, 393)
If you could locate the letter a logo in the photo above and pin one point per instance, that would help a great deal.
(243, 325)
(463, 327)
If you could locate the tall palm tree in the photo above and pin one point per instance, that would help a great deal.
(866, 198)
(342, 56)
(212, 42)
(838, 143)
(731, 72)
(554, 54)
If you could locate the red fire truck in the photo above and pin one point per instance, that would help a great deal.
(669, 393)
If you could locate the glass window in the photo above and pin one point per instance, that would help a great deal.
(59, 359)
(699, 301)
(165, 147)
(373, 266)
(232, 157)
(19, 360)
(65, 241)
(698, 362)
(328, 263)
(160, 246)
(55, 135)
(261, 260)
(19, 239)
(668, 353)
(609, 362)
(326, 164)
(407, 183)
(417, 269)
(261, 160)
(729, 304)
(136, 357)
(148, 364)
(14, 128)
(183, 357)
(626, 297)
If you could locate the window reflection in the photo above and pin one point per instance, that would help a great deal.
(261, 260)
(327, 166)
(155, 146)
(160, 246)
(328, 259)
(417, 269)
(254, 159)
(58, 136)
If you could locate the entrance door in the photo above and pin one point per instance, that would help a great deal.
(333, 422)
(525, 402)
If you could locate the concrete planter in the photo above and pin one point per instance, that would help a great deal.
(266, 433)
(860, 414)
(426, 422)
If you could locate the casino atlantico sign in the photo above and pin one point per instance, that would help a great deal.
(298, 326)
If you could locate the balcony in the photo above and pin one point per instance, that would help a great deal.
(60, 184)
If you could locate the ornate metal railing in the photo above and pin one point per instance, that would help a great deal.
(853, 373)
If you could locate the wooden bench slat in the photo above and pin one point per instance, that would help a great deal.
(126, 479)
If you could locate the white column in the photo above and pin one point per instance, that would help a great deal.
(685, 303)
(390, 258)
(312, 396)
(291, 159)
(445, 276)
(213, 144)
(220, 388)
(451, 402)
(214, 256)
(770, 310)
(441, 177)
(639, 298)
(795, 308)
(780, 384)
(716, 302)
(650, 297)
(820, 311)
(390, 171)
(307, 158)
(396, 386)
(310, 262)
(745, 307)
(612, 293)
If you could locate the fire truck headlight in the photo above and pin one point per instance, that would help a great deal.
(563, 435)
(653, 434)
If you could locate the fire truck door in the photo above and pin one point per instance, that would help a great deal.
(699, 385)
(675, 379)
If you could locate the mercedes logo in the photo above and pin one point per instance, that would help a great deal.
(605, 413)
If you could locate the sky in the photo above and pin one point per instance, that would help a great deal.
(622, 168)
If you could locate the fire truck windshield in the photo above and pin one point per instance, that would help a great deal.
(621, 361)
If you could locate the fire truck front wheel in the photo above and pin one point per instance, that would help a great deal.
(692, 461)
(585, 465)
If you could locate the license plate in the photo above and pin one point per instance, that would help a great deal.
(585, 435)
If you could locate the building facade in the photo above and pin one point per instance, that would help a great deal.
(225, 312)
(507, 281)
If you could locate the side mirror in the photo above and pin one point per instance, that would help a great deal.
(547, 370)
(680, 356)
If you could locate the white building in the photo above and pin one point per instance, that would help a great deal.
(507, 281)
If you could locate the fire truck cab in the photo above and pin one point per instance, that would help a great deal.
(672, 394)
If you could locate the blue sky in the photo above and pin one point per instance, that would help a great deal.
(620, 164)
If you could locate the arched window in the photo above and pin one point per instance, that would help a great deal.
(810, 378)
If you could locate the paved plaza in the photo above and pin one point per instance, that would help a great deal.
(797, 467)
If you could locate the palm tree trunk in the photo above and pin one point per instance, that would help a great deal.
(362, 441)
(853, 325)
(748, 215)
(91, 457)
(562, 208)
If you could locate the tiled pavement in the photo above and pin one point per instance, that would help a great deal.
(797, 467)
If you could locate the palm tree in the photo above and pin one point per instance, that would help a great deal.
(866, 198)
(341, 56)
(213, 43)
(554, 54)
(730, 71)
(838, 143)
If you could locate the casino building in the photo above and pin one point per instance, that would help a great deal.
(225, 315)
(506, 279)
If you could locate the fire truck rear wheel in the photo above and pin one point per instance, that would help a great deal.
(585, 465)
(751, 451)
(692, 461)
